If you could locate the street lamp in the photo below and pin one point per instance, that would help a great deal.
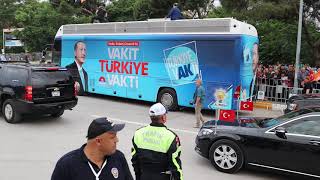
(298, 48)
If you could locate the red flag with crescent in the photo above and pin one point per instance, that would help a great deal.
(227, 115)
(246, 105)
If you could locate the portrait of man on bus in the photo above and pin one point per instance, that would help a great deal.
(76, 68)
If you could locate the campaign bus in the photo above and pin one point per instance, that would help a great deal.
(159, 61)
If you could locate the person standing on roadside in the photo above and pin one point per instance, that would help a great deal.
(198, 100)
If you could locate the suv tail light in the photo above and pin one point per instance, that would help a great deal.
(52, 69)
(28, 93)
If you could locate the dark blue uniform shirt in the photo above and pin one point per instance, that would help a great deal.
(174, 14)
(74, 166)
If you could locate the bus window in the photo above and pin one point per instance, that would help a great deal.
(56, 54)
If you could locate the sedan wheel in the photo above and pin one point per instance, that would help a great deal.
(226, 156)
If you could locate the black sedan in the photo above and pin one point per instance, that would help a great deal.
(289, 143)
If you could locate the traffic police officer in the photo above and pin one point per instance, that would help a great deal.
(156, 149)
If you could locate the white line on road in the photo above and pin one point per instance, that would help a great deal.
(144, 124)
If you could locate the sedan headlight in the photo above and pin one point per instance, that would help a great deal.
(205, 132)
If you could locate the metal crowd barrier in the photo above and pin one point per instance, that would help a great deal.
(276, 91)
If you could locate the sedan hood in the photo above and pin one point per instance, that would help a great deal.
(247, 122)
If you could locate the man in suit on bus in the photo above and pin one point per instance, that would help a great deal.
(76, 68)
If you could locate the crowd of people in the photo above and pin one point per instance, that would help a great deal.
(281, 74)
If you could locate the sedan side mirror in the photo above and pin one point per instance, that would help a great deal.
(281, 132)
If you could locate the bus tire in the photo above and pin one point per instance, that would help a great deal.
(168, 98)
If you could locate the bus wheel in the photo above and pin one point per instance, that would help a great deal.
(168, 98)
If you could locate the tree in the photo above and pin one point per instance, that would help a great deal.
(121, 10)
(7, 11)
(41, 21)
(199, 6)
(276, 22)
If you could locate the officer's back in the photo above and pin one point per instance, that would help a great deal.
(156, 149)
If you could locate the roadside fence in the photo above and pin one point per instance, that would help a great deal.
(277, 90)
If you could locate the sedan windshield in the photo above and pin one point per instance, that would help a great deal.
(272, 122)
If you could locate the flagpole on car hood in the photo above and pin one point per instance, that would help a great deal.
(216, 121)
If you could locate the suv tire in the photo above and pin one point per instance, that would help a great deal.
(226, 156)
(9, 112)
(58, 113)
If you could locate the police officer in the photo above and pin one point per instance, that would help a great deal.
(98, 159)
(156, 149)
(174, 13)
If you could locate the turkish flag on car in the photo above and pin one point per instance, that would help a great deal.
(246, 105)
(227, 115)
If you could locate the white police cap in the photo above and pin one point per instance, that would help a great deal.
(157, 110)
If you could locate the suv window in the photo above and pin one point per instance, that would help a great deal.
(56, 54)
(305, 126)
(16, 76)
(50, 77)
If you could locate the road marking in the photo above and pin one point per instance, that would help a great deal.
(145, 124)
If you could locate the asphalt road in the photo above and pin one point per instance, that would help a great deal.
(29, 150)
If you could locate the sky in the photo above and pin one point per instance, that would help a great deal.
(216, 3)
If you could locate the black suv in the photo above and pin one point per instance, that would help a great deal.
(301, 101)
(34, 89)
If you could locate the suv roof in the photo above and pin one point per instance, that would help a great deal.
(305, 96)
(308, 96)
(35, 89)
(24, 64)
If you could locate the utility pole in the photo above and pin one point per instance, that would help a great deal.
(298, 48)
(3, 42)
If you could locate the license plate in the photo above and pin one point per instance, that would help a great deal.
(55, 93)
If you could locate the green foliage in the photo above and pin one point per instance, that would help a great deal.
(142, 10)
(121, 10)
(41, 21)
(129, 10)
(276, 22)
(196, 5)
(277, 41)
(7, 11)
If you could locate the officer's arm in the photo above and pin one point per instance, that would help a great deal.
(59, 172)
(126, 169)
(135, 160)
(174, 153)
